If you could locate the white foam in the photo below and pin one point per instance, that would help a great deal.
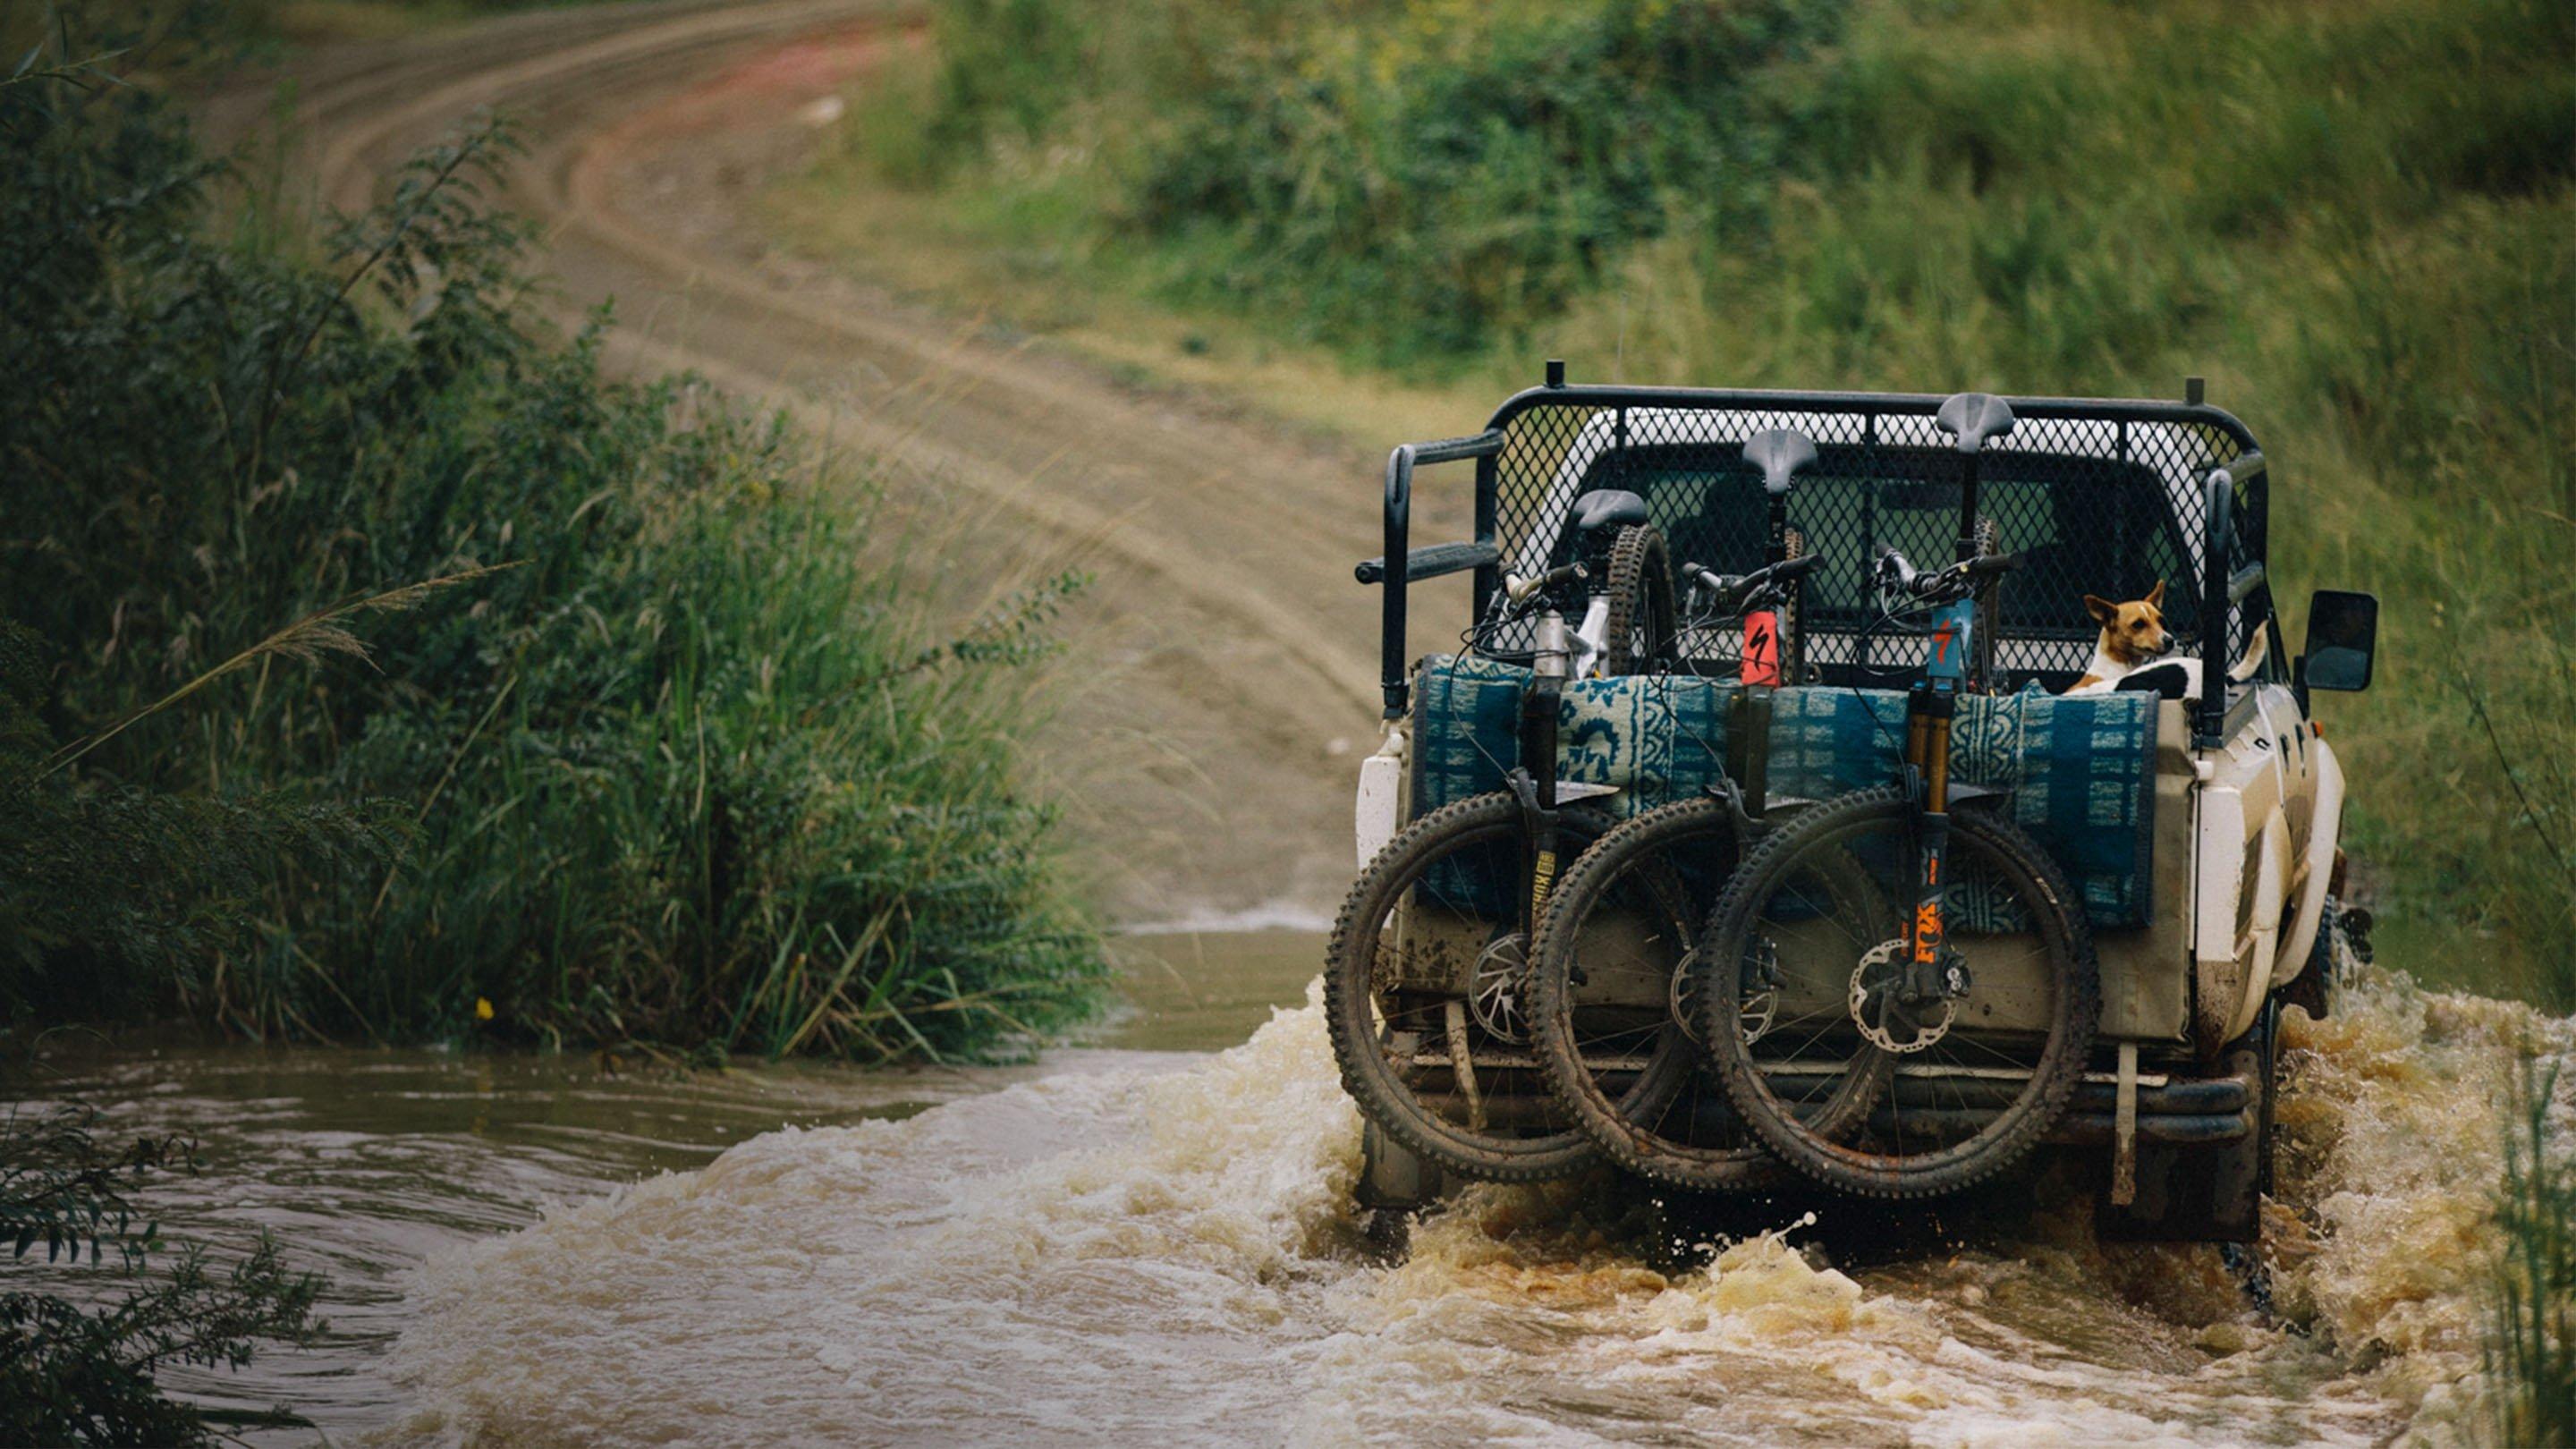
(1272, 916)
(1163, 1254)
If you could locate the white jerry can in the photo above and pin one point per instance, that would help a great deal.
(1381, 799)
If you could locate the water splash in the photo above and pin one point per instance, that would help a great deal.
(1168, 1255)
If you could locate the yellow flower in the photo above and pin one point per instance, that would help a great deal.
(482, 1008)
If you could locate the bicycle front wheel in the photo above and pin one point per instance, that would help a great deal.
(1963, 1086)
(1610, 1005)
(1423, 993)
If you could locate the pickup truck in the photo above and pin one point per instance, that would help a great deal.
(2220, 901)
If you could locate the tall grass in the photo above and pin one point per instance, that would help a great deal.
(683, 762)
(2531, 1352)
(2358, 221)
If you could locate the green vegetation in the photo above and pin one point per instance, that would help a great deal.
(77, 1367)
(1408, 181)
(2359, 221)
(2532, 1329)
(671, 757)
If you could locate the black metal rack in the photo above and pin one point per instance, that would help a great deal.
(2099, 495)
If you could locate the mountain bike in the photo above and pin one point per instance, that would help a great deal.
(1423, 977)
(1924, 973)
(1609, 983)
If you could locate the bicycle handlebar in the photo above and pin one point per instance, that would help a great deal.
(1895, 568)
(1520, 590)
(1734, 591)
(1958, 578)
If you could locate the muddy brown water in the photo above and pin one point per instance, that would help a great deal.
(1149, 1238)
(369, 1163)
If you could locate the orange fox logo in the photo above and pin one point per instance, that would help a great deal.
(1927, 932)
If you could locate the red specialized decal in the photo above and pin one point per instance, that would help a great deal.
(1761, 648)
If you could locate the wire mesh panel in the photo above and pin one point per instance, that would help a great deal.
(2098, 498)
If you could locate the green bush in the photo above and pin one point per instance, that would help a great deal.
(687, 766)
(1405, 180)
(1415, 183)
(77, 1367)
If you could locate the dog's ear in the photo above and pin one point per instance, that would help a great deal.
(2102, 610)
(2156, 595)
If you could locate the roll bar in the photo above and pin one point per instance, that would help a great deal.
(2223, 583)
(1399, 519)
(2223, 587)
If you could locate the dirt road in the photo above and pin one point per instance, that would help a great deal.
(1222, 667)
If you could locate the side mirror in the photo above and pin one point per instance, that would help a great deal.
(2343, 635)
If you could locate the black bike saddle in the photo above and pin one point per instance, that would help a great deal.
(1608, 508)
(1779, 455)
(1974, 417)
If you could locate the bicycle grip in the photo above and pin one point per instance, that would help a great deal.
(1431, 563)
(1710, 579)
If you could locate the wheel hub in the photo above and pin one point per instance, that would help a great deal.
(1494, 990)
(1884, 1021)
(1758, 1001)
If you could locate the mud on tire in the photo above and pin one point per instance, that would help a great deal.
(1396, 1010)
(1759, 910)
(1663, 1119)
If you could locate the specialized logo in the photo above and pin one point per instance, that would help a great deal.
(1941, 638)
(1761, 649)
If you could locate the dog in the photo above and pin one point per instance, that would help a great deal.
(2131, 651)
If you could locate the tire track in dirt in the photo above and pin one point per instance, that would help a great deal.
(1220, 684)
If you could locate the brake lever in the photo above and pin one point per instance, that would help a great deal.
(1521, 590)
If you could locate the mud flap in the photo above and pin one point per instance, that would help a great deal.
(2124, 1130)
(2201, 1193)
(1393, 1178)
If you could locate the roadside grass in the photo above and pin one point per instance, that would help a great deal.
(2531, 1328)
(2359, 223)
(689, 761)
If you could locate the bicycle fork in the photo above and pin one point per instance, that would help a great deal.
(1933, 971)
(1535, 781)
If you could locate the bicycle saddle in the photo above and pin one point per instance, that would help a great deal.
(1779, 455)
(1608, 508)
(1974, 417)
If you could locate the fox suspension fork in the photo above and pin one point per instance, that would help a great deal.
(1933, 971)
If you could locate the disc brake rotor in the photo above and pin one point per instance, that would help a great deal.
(1757, 1006)
(1494, 991)
(1873, 1002)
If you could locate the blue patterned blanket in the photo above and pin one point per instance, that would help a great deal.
(2081, 771)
